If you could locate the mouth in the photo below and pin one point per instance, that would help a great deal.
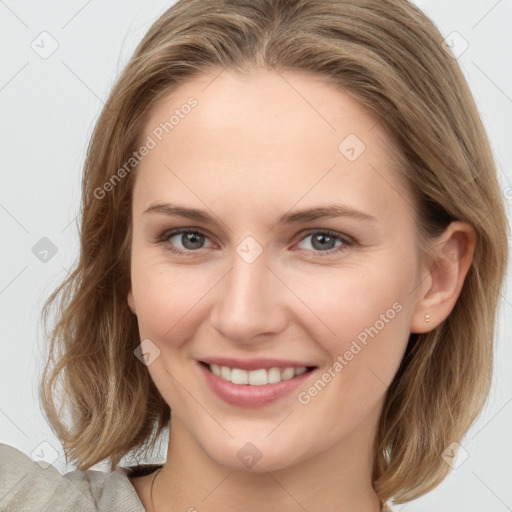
(257, 384)
(258, 376)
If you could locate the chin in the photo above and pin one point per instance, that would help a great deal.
(254, 457)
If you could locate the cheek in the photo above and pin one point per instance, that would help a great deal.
(361, 322)
(168, 299)
(368, 318)
(345, 302)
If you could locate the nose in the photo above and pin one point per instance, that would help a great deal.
(249, 301)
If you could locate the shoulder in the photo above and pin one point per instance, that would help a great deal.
(29, 485)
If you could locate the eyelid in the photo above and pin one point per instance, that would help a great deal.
(166, 233)
(335, 234)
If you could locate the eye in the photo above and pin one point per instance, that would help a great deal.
(326, 242)
(186, 241)
(191, 240)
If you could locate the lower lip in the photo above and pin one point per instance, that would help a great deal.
(246, 395)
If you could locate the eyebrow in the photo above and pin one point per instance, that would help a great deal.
(309, 214)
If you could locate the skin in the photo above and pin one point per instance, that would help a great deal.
(257, 146)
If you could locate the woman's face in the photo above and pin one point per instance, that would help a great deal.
(299, 254)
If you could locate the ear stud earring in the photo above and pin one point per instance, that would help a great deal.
(427, 318)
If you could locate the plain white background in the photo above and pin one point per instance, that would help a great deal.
(49, 105)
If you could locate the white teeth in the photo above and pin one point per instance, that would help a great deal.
(256, 377)
(273, 375)
(225, 372)
(239, 376)
(288, 373)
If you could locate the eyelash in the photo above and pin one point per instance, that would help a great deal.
(347, 241)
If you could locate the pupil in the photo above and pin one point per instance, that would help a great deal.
(192, 240)
(323, 241)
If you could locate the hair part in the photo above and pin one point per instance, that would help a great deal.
(389, 56)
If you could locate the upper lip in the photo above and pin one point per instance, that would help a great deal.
(254, 364)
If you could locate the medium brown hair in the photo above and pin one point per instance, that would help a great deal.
(389, 55)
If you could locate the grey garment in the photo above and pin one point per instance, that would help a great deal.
(26, 486)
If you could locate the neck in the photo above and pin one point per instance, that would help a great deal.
(338, 479)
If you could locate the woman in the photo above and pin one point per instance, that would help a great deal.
(292, 239)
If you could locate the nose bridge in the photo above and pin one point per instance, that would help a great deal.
(247, 303)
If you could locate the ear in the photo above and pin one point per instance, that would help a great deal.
(131, 302)
(447, 269)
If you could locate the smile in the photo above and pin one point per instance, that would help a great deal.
(259, 384)
(258, 377)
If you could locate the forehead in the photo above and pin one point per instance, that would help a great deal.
(231, 105)
(272, 137)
